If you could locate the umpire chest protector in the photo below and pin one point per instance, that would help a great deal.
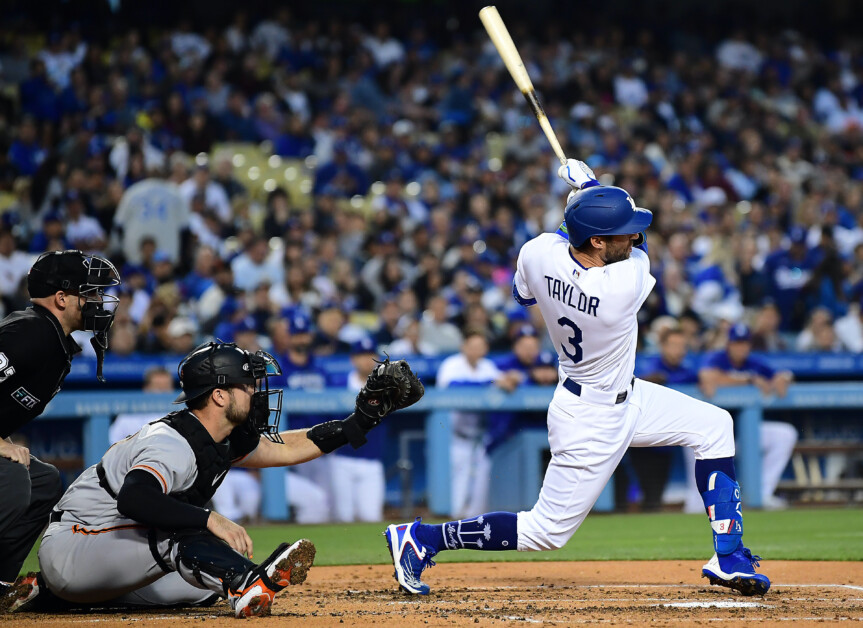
(211, 458)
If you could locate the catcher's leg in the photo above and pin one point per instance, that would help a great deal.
(92, 564)
(206, 561)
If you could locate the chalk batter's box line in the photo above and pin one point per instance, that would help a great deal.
(652, 586)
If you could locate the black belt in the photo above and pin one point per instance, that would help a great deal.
(103, 480)
(575, 389)
(55, 516)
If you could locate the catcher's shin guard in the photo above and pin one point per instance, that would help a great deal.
(722, 501)
(207, 562)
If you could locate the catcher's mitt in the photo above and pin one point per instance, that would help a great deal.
(391, 386)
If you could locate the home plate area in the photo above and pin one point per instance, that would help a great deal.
(515, 594)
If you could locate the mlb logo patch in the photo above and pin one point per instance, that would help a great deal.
(25, 398)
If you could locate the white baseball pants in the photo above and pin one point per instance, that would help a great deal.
(588, 439)
(358, 486)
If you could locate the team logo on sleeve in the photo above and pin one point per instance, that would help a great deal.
(6, 369)
(25, 398)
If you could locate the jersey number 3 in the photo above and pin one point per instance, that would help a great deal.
(575, 340)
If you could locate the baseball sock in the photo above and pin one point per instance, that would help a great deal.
(721, 501)
(703, 469)
(494, 531)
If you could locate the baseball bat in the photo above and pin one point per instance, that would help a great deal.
(509, 53)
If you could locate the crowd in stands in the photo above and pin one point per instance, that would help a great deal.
(749, 151)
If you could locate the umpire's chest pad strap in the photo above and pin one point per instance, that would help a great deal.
(212, 459)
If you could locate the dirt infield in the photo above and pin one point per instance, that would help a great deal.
(517, 594)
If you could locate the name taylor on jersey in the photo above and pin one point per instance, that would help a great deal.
(564, 292)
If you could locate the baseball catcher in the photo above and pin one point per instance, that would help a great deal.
(134, 528)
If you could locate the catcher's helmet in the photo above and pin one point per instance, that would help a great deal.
(221, 365)
(603, 211)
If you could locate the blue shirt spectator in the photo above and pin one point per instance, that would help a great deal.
(788, 272)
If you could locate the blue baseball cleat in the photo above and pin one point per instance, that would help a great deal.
(410, 557)
(737, 571)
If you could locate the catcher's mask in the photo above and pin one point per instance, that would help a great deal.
(87, 277)
(224, 364)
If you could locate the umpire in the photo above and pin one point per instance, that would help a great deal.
(67, 293)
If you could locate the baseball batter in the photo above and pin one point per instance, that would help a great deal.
(589, 280)
(134, 528)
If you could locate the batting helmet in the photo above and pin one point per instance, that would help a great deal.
(603, 211)
(221, 365)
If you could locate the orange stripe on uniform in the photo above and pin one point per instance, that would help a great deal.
(152, 470)
(76, 529)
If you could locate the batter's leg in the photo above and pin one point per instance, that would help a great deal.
(587, 442)
(669, 417)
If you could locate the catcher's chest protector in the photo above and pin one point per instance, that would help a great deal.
(212, 459)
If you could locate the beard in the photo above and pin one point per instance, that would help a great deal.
(617, 255)
(234, 415)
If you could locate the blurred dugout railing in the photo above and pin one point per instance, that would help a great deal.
(516, 483)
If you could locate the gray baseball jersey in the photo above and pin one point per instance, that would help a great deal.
(157, 449)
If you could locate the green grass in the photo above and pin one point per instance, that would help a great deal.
(817, 534)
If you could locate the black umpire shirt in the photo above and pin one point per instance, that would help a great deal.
(35, 357)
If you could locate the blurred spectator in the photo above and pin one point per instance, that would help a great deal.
(849, 328)
(26, 153)
(819, 335)
(788, 271)
(214, 196)
(341, 176)
(469, 463)
(357, 475)
(257, 264)
(157, 379)
(182, 334)
(671, 366)
(437, 334)
(52, 237)
(83, 231)
(737, 367)
(765, 332)
(135, 143)
(14, 266)
(327, 340)
(152, 208)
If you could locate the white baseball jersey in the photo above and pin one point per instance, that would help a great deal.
(590, 312)
(457, 371)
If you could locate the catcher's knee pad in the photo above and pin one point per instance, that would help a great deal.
(722, 501)
(208, 562)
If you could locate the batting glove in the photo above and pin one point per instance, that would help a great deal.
(577, 174)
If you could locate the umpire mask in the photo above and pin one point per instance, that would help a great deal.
(223, 364)
(87, 277)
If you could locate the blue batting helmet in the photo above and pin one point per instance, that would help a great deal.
(603, 211)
